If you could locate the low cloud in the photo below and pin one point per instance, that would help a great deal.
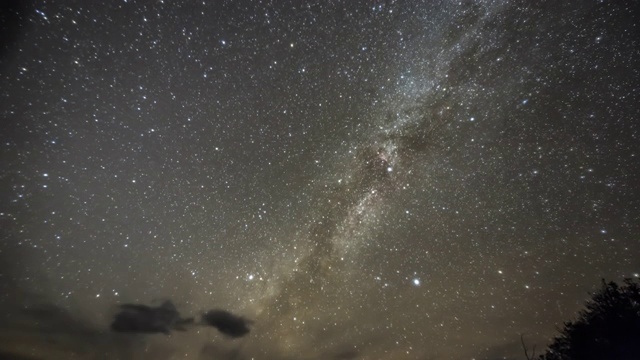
(136, 318)
(227, 323)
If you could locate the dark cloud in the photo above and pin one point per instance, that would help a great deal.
(36, 328)
(136, 318)
(227, 323)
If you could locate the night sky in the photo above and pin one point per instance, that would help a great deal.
(354, 179)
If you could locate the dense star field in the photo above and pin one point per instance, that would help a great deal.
(341, 179)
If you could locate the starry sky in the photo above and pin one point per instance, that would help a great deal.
(359, 179)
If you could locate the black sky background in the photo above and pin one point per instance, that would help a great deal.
(360, 180)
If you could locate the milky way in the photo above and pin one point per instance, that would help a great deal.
(339, 179)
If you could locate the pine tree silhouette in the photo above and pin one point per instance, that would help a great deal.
(608, 329)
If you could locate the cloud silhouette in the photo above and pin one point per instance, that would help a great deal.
(32, 328)
(227, 323)
(136, 318)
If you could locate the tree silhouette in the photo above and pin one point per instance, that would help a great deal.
(609, 327)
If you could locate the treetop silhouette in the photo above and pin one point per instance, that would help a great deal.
(608, 328)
